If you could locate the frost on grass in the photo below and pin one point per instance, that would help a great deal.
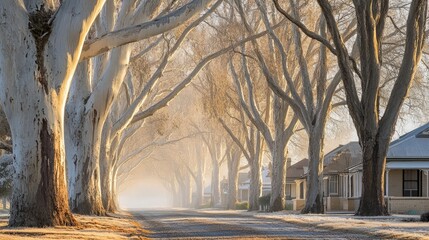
(90, 227)
(393, 227)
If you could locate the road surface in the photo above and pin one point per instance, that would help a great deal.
(190, 224)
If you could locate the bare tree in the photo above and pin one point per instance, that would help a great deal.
(310, 100)
(374, 129)
(37, 70)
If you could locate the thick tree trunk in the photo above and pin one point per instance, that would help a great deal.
(84, 169)
(108, 181)
(278, 178)
(39, 195)
(374, 162)
(35, 112)
(314, 195)
(233, 165)
(255, 187)
(113, 204)
(89, 113)
(215, 188)
(109, 197)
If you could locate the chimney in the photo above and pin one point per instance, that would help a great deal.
(288, 162)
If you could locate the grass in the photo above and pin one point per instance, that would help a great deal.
(390, 229)
(117, 226)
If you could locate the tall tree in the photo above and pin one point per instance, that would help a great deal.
(311, 99)
(284, 120)
(36, 73)
(374, 129)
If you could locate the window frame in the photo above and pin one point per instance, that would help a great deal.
(330, 181)
(418, 181)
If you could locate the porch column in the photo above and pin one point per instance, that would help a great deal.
(345, 186)
(297, 190)
(426, 171)
(349, 190)
(387, 182)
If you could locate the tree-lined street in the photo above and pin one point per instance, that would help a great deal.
(193, 224)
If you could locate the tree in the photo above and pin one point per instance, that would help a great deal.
(251, 148)
(36, 73)
(145, 104)
(89, 106)
(284, 119)
(214, 146)
(374, 129)
(222, 106)
(233, 160)
(309, 95)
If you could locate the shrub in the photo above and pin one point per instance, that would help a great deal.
(424, 217)
(264, 202)
(242, 206)
(289, 206)
(207, 205)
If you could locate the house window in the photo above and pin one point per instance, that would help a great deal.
(333, 185)
(411, 183)
(301, 190)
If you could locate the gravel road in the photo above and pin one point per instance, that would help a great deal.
(190, 224)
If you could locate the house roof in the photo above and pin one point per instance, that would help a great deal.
(266, 178)
(342, 158)
(296, 170)
(413, 145)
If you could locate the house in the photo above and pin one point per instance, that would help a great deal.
(341, 180)
(295, 183)
(243, 187)
(406, 176)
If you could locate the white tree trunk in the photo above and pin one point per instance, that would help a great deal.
(278, 177)
(255, 187)
(39, 195)
(233, 167)
(215, 188)
(36, 67)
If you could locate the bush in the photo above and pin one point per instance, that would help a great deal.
(289, 206)
(424, 217)
(242, 206)
(207, 205)
(264, 202)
